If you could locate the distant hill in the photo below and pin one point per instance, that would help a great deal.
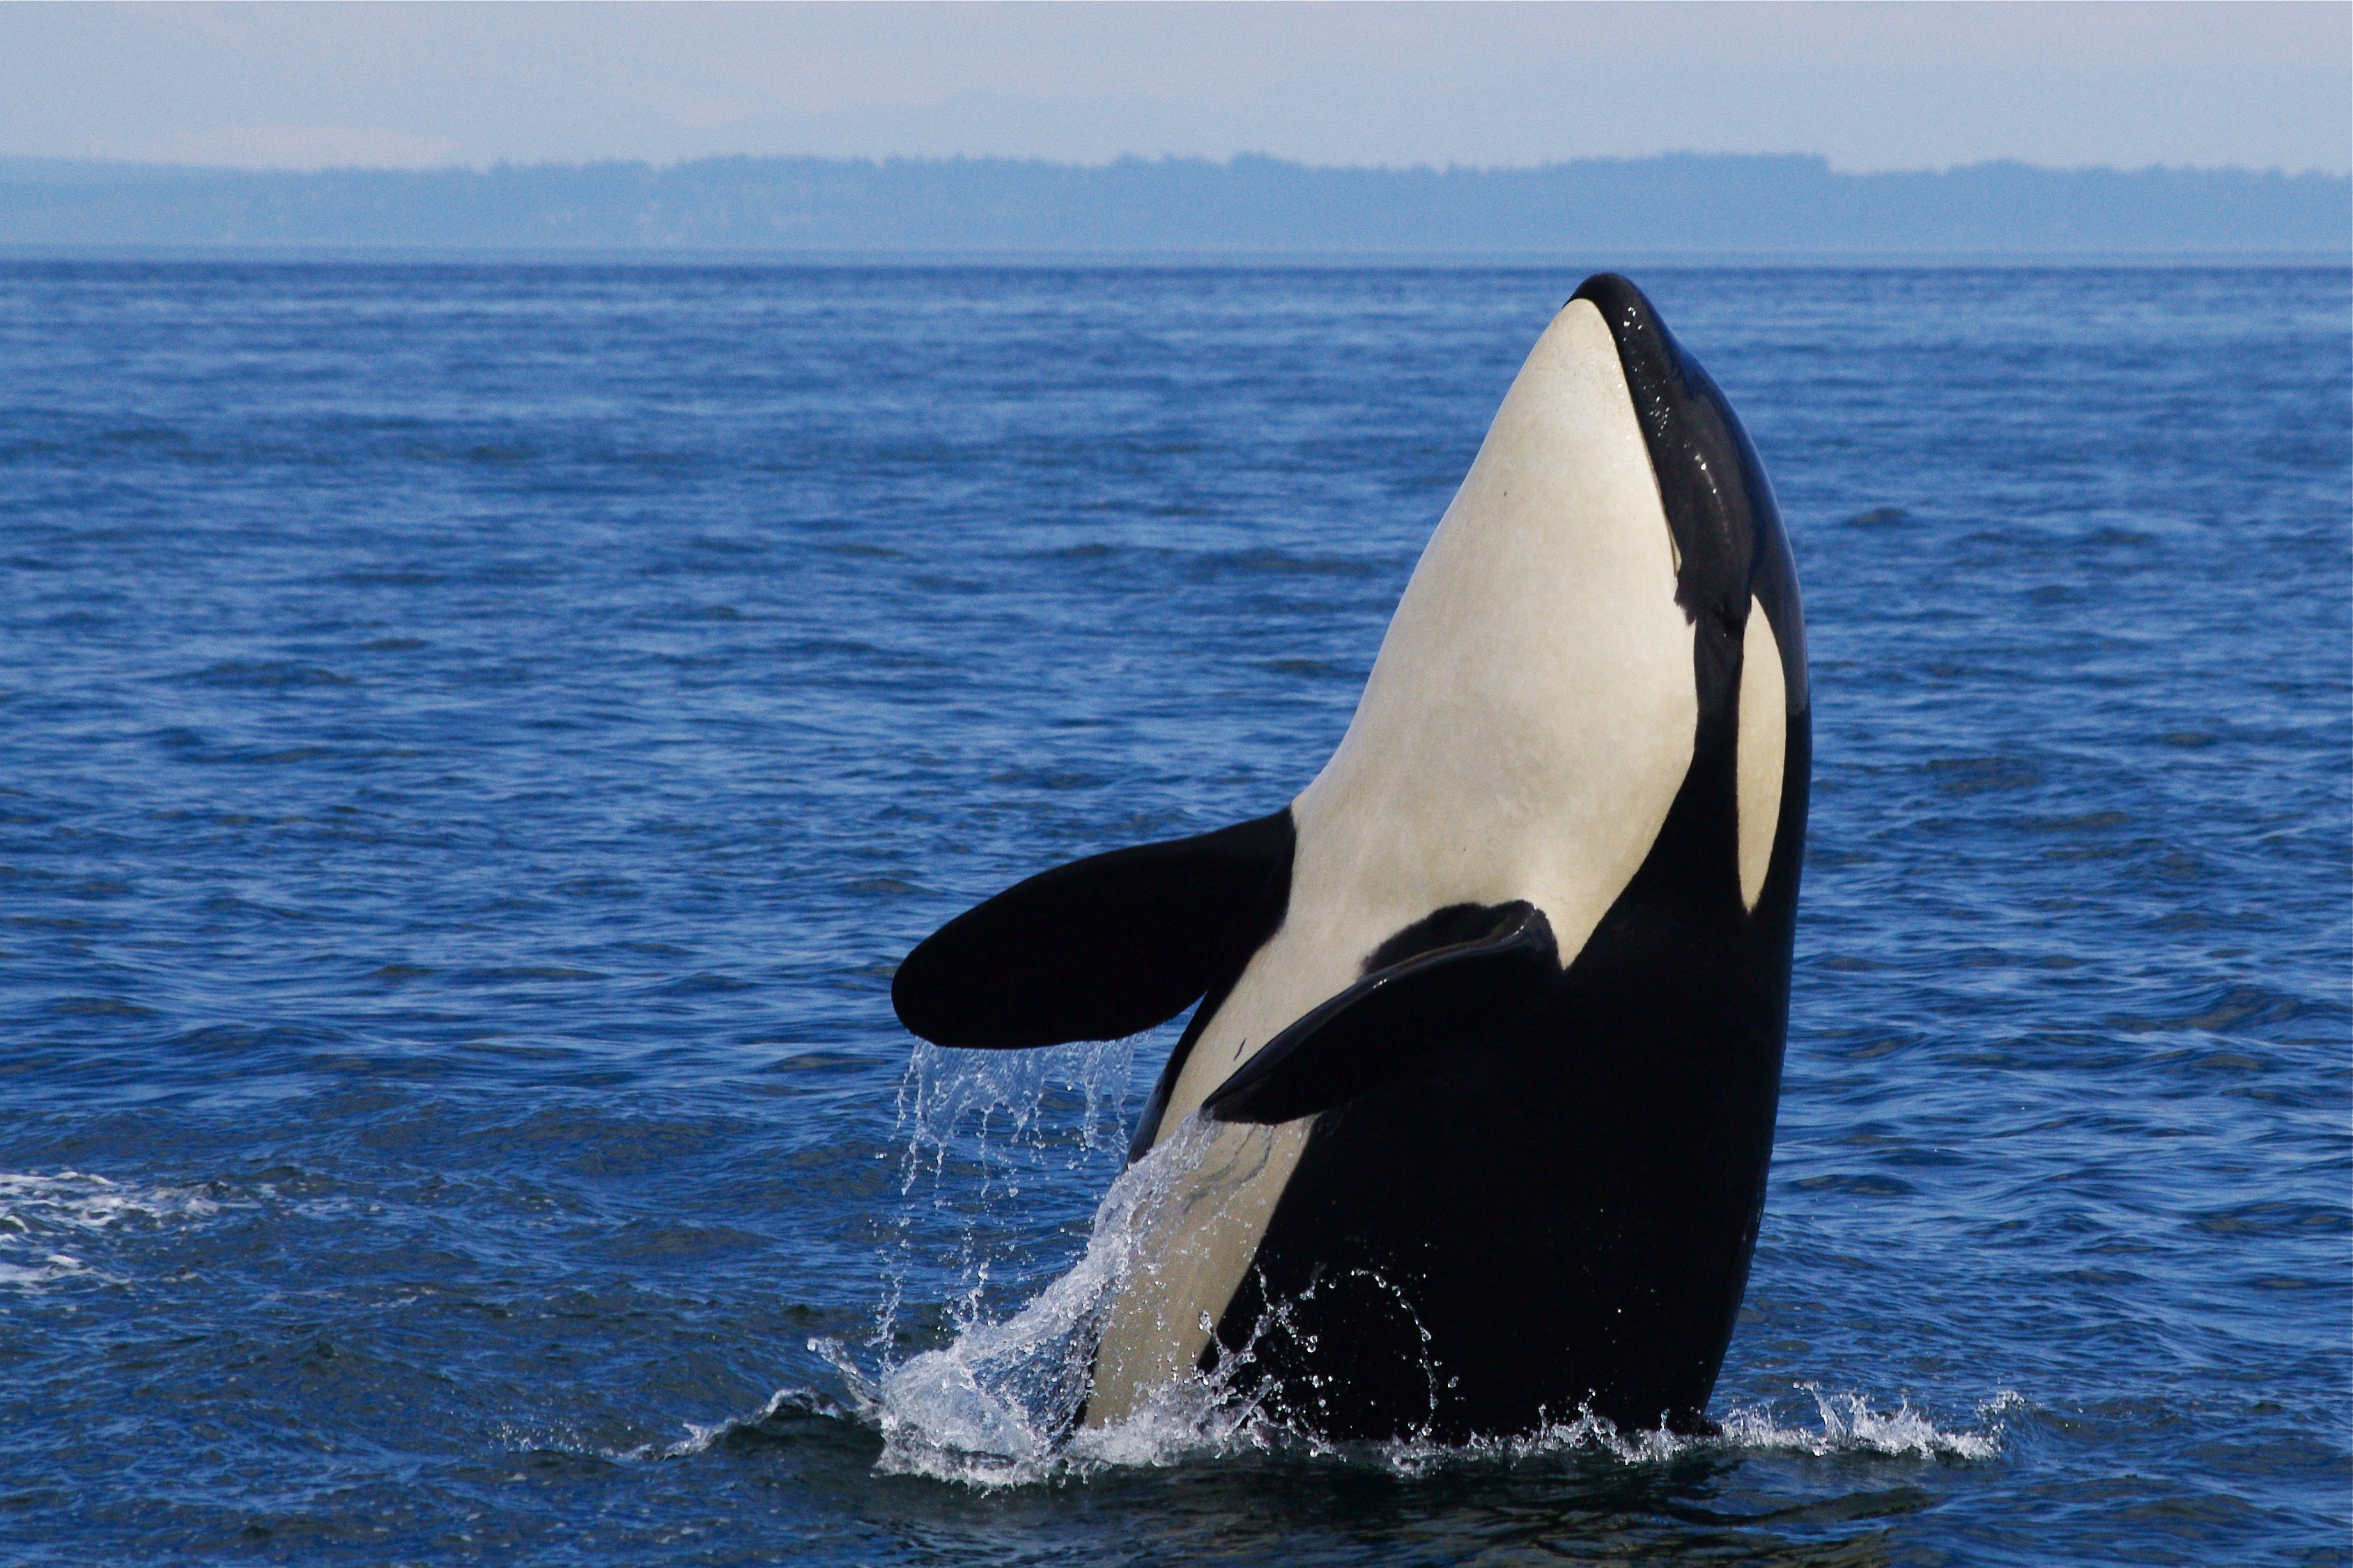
(1680, 203)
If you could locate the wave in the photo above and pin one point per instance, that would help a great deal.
(46, 1221)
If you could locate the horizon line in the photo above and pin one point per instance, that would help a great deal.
(1991, 259)
(13, 159)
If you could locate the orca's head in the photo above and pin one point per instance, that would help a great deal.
(1729, 544)
(1577, 667)
(1735, 582)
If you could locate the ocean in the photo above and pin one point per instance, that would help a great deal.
(476, 738)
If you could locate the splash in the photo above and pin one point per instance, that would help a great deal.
(1000, 1402)
(1849, 1423)
(979, 1127)
(1004, 1101)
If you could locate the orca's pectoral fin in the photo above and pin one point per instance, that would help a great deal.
(1396, 1021)
(1100, 948)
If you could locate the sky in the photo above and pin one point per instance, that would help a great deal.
(1869, 86)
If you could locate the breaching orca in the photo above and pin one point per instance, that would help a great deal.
(1490, 1035)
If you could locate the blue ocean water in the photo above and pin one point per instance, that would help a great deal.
(475, 739)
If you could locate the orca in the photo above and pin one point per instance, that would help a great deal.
(1487, 1055)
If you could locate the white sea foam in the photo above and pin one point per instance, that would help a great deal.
(48, 1220)
(84, 1202)
(29, 1273)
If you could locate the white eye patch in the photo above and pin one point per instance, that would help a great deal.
(1763, 743)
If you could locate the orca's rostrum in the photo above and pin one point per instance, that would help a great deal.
(1490, 1035)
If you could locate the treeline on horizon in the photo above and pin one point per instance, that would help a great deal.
(1676, 202)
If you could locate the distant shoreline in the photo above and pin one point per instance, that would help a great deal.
(1737, 208)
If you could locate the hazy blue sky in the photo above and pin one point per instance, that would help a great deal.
(1873, 86)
